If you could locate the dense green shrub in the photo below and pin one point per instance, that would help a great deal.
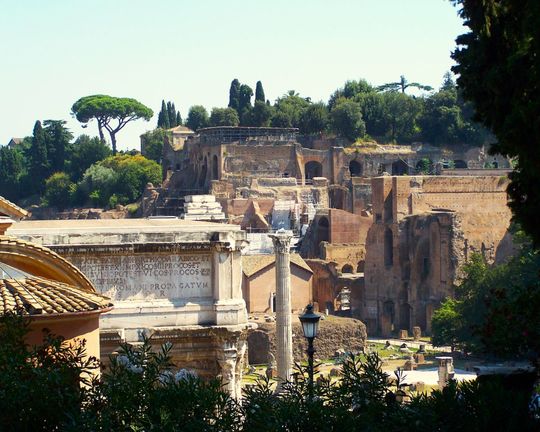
(133, 172)
(496, 307)
(98, 184)
(118, 179)
(40, 385)
(59, 190)
(142, 391)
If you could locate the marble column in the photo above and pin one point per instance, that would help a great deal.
(284, 357)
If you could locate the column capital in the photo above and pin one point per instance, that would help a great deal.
(281, 240)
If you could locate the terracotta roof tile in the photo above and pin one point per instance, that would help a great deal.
(14, 245)
(33, 296)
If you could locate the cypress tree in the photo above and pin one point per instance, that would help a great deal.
(171, 113)
(234, 95)
(178, 119)
(160, 116)
(57, 138)
(165, 116)
(259, 92)
(39, 165)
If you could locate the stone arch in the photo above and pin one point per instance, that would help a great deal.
(459, 163)
(323, 230)
(360, 267)
(43, 262)
(355, 168)
(313, 169)
(387, 317)
(347, 268)
(204, 171)
(215, 168)
(388, 247)
(399, 167)
(405, 315)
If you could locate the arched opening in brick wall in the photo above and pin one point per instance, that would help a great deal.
(347, 268)
(360, 266)
(355, 168)
(387, 318)
(204, 171)
(399, 168)
(313, 169)
(215, 168)
(405, 311)
(323, 228)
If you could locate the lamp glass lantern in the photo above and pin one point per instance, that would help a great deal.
(310, 322)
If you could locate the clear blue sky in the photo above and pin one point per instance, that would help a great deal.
(55, 51)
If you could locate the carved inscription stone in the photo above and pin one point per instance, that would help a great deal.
(149, 277)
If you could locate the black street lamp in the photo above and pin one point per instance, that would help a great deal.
(310, 326)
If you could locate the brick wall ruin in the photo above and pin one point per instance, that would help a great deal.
(424, 228)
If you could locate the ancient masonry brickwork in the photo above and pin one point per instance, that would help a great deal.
(424, 229)
(275, 163)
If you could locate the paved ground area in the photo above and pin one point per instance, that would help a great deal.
(410, 344)
(431, 377)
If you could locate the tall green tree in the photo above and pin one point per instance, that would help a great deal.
(347, 119)
(289, 109)
(39, 162)
(57, 138)
(498, 69)
(351, 90)
(234, 95)
(314, 119)
(402, 113)
(178, 118)
(259, 92)
(261, 115)
(171, 112)
(12, 170)
(449, 82)
(197, 118)
(84, 152)
(163, 117)
(224, 117)
(403, 85)
(245, 107)
(152, 144)
(111, 113)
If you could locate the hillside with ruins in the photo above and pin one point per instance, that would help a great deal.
(297, 216)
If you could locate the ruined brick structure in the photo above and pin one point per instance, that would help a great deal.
(321, 189)
(274, 163)
(424, 228)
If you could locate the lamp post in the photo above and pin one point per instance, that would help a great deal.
(310, 326)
